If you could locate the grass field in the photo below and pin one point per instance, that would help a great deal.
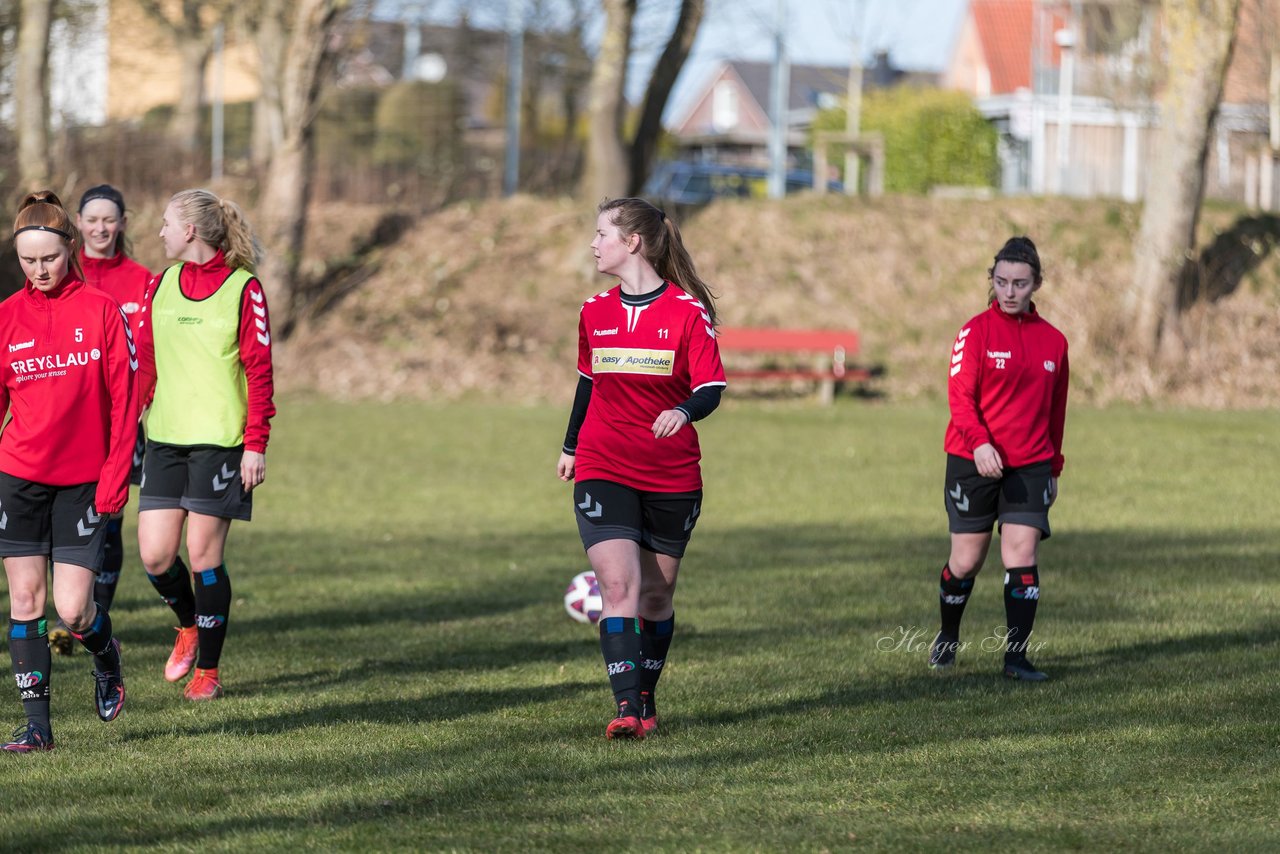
(401, 674)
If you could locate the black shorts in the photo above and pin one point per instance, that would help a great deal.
(51, 521)
(661, 522)
(1019, 497)
(202, 479)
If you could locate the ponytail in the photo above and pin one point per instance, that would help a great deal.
(43, 211)
(662, 247)
(220, 223)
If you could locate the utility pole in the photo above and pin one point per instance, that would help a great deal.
(780, 82)
(216, 118)
(515, 83)
(1066, 41)
(853, 109)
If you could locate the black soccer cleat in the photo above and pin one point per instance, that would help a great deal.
(109, 688)
(29, 738)
(942, 653)
(1024, 670)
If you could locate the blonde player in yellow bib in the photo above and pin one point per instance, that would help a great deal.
(205, 366)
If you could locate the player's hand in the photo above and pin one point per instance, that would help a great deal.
(564, 468)
(988, 461)
(253, 469)
(669, 422)
(1053, 490)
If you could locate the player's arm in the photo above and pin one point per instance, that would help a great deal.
(1058, 418)
(145, 342)
(962, 398)
(255, 355)
(706, 376)
(120, 366)
(581, 402)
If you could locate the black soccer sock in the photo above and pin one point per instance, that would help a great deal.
(953, 595)
(1021, 595)
(213, 606)
(104, 586)
(655, 640)
(620, 645)
(97, 640)
(174, 587)
(29, 651)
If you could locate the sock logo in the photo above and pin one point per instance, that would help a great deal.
(211, 621)
(1025, 592)
(108, 577)
(28, 680)
(652, 663)
(949, 599)
(616, 668)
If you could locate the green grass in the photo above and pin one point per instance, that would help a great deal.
(401, 674)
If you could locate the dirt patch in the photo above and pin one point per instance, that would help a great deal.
(482, 299)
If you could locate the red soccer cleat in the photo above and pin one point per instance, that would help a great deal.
(627, 724)
(184, 654)
(204, 685)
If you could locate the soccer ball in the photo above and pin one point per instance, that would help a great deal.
(582, 598)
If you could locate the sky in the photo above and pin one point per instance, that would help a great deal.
(917, 33)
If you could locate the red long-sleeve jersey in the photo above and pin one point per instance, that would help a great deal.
(68, 382)
(200, 281)
(123, 278)
(1008, 387)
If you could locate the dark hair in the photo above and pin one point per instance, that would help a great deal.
(110, 194)
(1019, 250)
(43, 211)
(103, 191)
(661, 246)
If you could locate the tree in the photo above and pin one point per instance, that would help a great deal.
(31, 82)
(308, 58)
(616, 167)
(192, 25)
(1198, 39)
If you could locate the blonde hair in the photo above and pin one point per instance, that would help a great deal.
(43, 210)
(661, 246)
(221, 224)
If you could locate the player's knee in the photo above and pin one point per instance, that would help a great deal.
(656, 598)
(26, 604)
(963, 566)
(77, 617)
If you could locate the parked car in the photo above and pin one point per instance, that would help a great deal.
(679, 182)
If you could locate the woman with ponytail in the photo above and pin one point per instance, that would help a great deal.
(648, 366)
(68, 387)
(205, 372)
(104, 257)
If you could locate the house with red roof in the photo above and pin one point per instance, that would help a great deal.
(1072, 88)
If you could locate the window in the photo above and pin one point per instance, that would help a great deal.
(724, 106)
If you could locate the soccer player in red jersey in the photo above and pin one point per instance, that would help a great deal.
(104, 257)
(1008, 396)
(68, 386)
(204, 348)
(648, 366)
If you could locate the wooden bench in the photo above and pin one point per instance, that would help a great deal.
(829, 353)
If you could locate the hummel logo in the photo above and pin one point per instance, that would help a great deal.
(227, 474)
(602, 332)
(23, 345)
(587, 510)
(90, 517)
(956, 496)
(693, 517)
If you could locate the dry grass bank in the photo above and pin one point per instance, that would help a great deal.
(481, 300)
